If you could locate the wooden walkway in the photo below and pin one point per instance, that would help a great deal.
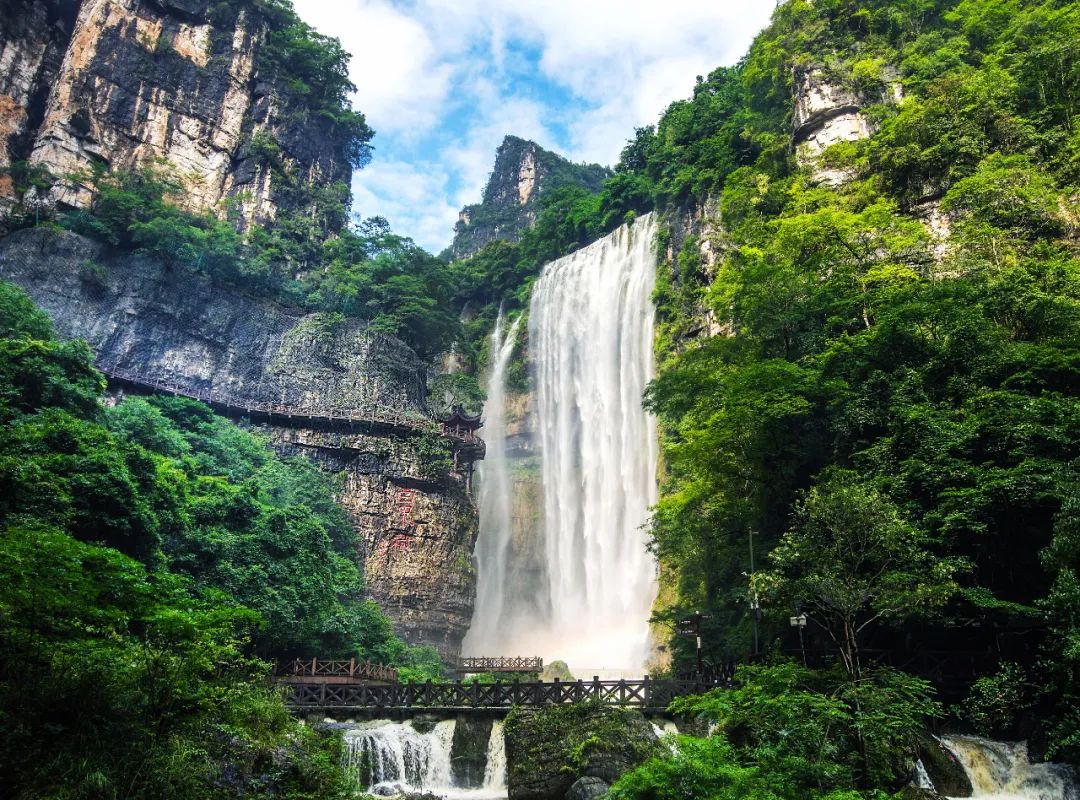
(312, 670)
(500, 664)
(644, 694)
(377, 417)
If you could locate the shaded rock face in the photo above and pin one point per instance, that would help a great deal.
(417, 529)
(523, 173)
(549, 750)
(469, 751)
(944, 769)
(173, 326)
(124, 82)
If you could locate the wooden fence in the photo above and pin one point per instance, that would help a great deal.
(475, 664)
(644, 694)
(313, 671)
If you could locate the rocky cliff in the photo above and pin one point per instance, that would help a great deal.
(121, 83)
(523, 174)
(417, 524)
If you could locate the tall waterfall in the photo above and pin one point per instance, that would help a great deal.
(493, 496)
(1002, 771)
(591, 340)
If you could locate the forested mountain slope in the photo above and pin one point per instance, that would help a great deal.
(869, 348)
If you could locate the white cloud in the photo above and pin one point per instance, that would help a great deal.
(434, 78)
(413, 197)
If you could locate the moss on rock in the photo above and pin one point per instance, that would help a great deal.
(547, 750)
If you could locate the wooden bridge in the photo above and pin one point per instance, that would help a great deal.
(500, 664)
(314, 671)
(374, 417)
(644, 694)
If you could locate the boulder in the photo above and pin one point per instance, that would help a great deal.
(549, 750)
(468, 754)
(587, 788)
(945, 771)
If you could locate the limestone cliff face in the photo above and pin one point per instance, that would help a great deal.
(125, 82)
(417, 528)
(523, 173)
(827, 113)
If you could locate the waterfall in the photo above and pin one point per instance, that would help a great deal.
(1002, 771)
(389, 757)
(493, 499)
(591, 341)
(495, 769)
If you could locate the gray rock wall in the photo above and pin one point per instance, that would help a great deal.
(417, 529)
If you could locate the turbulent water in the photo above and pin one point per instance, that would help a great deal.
(590, 338)
(391, 758)
(1002, 771)
(493, 605)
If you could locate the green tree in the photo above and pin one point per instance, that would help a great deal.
(851, 561)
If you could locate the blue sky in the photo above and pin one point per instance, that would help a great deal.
(442, 81)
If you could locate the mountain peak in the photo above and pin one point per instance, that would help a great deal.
(523, 173)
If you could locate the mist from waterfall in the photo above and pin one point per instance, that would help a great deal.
(493, 498)
(591, 343)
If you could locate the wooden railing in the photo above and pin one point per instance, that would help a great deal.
(338, 671)
(376, 416)
(644, 694)
(476, 664)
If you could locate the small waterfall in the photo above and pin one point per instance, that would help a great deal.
(1002, 771)
(387, 759)
(390, 758)
(591, 339)
(922, 777)
(493, 594)
(495, 769)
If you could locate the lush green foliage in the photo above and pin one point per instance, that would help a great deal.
(925, 389)
(788, 733)
(148, 553)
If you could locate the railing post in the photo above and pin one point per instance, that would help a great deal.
(352, 666)
(313, 664)
(645, 693)
(596, 687)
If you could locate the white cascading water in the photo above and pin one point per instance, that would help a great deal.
(392, 758)
(591, 342)
(1002, 771)
(493, 498)
(495, 769)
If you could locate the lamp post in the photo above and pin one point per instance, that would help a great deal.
(691, 626)
(755, 606)
(799, 622)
